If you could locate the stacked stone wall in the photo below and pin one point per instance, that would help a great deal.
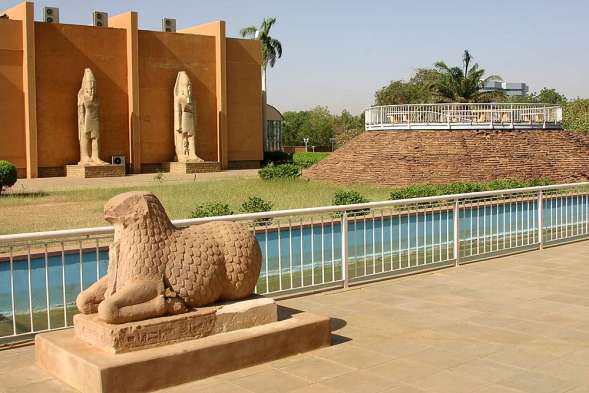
(399, 158)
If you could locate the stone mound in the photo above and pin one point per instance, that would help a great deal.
(400, 158)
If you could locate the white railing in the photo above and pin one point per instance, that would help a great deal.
(307, 249)
(462, 116)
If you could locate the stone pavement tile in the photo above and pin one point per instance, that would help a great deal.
(486, 370)
(46, 386)
(534, 382)
(205, 387)
(404, 388)
(448, 382)
(11, 359)
(244, 372)
(495, 321)
(19, 377)
(580, 389)
(566, 369)
(471, 331)
(317, 388)
(499, 389)
(401, 370)
(270, 381)
(352, 356)
(519, 356)
(314, 369)
(442, 358)
(360, 381)
(397, 347)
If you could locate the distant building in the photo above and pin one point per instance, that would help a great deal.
(509, 88)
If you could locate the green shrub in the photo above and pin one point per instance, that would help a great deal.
(255, 204)
(282, 171)
(344, 197)
(211, 209)
(575, 115)
(427, 190)
(277, 157)
(7, 174)
(308, 159)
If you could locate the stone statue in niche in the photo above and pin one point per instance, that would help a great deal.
(184, 120)
(88, 121)
(156, 269)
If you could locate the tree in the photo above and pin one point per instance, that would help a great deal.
(464, 84)
(419, 89)
(545, 96)
(347, 127)
(550, 96)
(271, 51)
(271, 47)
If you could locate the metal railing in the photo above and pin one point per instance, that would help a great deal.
(307, 249)
(463, 116)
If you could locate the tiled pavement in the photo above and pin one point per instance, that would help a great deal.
(508, 325)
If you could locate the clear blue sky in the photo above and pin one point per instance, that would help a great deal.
(337, 53)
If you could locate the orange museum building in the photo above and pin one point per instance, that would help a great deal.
(41, 69)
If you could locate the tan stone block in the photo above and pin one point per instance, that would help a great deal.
(191, 167)
(94, 171)
(206, 321)
(89, 369)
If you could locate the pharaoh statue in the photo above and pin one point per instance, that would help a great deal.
(88, 122)
(184, 120)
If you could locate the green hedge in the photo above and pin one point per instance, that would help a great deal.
(211, 209)
(7, 174)
(282, 171)
(350, 197)
(308, 159)
(425, 190)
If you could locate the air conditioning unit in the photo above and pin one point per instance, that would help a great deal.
(169, 25)
(100, 19)
(51, 14)
(118, 160)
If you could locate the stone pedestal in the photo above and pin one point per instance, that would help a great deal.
(205, 321)
(90, 369)
(192, 167)
(93, 171)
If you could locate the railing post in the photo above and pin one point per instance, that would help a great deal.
(540, 224)
(456, 218)
(345, 266)
(511, 114)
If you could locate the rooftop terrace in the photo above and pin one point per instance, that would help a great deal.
(513, 324)
(463, 116)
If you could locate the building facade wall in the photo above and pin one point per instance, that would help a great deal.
(161, 57)
(244, 100)
(41, 70)
(62, 53)
(12, 110)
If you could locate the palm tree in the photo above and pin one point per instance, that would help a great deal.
(465, 84)
(271, 47)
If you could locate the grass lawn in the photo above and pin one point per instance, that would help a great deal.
(83, 207)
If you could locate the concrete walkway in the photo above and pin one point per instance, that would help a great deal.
(68, 183)
(508, 325)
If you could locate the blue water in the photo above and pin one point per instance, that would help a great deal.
(375, 244)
